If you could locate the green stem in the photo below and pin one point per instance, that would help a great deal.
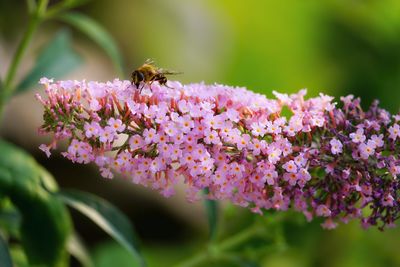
(59, 7)
(240, 237)
(195, 260)
(56, 9)
(32, 25)
(34, 21)
(217, 251)
(27, 37)
(267, 227)
(31, 6)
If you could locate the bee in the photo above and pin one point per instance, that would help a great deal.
(149, 73)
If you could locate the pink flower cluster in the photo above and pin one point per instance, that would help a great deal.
(324, 161)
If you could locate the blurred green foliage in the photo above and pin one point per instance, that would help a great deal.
(333, 46)
(305, 245)
(45, 223)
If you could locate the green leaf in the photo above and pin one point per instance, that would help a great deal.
(10, 221)
(55, 60)
(45, 221)
(211, 207)
(5, 258)
(106, 216)
(18, 256)
(98, 34)
(78, 249)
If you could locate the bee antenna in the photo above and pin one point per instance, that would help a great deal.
(149, 61)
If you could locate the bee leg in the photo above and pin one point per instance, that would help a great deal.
(167, 86)
(135, 83)
(150, 83)
(141, 88)
(162, 81)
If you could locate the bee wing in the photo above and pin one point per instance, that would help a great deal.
(170, 72)
(149, 61)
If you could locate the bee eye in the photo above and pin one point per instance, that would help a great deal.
(140, 76)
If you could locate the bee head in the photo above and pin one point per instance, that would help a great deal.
(137, 78)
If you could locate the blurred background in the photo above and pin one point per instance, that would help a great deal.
(334, 47)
